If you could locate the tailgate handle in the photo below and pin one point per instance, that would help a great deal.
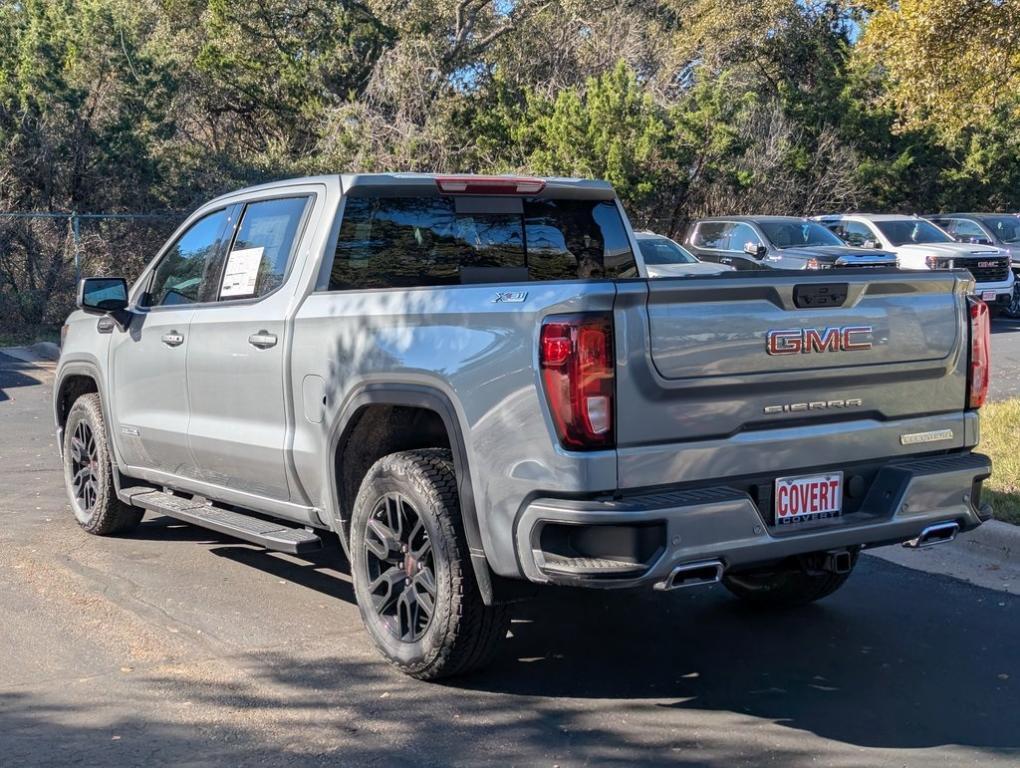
(819, 295)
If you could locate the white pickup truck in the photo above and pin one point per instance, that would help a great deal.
(919, 244)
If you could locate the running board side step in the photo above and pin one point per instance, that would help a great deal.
(266, 533)
(692, 575)
(941, 533)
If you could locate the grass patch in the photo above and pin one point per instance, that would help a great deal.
(1000, 439)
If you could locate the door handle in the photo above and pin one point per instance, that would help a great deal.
(173, 339)
(262, 340)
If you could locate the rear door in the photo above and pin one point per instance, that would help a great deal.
(237, 383)
(745, 373)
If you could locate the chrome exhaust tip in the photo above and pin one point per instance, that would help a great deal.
(693, 575)
(940, 533)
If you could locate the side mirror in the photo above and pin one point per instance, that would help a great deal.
(871, 244)
(105, 296)
(753, 249)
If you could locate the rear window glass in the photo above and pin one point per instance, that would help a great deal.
(405, 242)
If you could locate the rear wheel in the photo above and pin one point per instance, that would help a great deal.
(786, 586)
(412, 574)
(88, 472)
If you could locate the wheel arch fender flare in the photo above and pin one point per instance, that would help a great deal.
(78, 368)
(428, 398)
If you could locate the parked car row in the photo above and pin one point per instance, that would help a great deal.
(988, 245)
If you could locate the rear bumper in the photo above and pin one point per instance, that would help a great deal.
(724, 524)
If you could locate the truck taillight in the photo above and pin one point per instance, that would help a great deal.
(576, 358)
(977, 383)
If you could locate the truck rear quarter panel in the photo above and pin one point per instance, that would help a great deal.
(478, 353)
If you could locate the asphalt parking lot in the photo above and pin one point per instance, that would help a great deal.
(1005, 359)
(174, 646)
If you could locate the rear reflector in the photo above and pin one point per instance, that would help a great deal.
(489, 185)
(980, 357)
(576, 357)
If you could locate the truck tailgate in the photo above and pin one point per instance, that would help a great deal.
(736, 375)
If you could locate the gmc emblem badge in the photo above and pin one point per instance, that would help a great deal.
(850, 338)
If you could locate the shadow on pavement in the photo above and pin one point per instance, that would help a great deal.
(15, 373)
(897, 659)
(1002, 324)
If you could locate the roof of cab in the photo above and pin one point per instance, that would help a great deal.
(555, 186)
(753, 219)
(411, 183)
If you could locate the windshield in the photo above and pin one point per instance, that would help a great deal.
(1005, 228)
(795, 234)
(907, 231)
(661, 250)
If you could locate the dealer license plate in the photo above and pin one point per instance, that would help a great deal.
(808, 497)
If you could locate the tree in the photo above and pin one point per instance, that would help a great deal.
(949, 65)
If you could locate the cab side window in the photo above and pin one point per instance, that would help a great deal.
(741, 235)
(189, 271)
(856, 233)
(964, 229)
(711, 235)
(263, 248)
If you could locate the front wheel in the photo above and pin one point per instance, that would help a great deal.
(88, 472)
(1013, 308)
(413, 579)
(785, 587)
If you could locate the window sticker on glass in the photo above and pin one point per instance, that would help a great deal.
(242, 272)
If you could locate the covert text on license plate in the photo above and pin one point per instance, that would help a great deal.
(808, 497)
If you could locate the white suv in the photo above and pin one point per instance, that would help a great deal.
(919, 244)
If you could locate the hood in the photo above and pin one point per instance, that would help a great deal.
(1013, 251)
(679, 270)
(830, 254)
(951, 250)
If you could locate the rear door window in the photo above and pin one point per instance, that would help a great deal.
(711, 235)
(405, 242)
(261, 252)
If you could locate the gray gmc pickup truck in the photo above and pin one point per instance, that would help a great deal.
(468, 383)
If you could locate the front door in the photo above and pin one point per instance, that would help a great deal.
(148, 361)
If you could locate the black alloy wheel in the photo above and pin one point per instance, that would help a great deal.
(401, 571)
(84, 466)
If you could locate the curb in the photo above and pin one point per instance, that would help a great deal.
(40, 352)
(999, 540)
(988, 556)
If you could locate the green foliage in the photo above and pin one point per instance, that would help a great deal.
(689, 107)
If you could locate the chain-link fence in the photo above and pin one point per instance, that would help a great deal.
(44, 254)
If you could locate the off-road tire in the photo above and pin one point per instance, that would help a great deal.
(462, 634)
(784, 588)
(105, 514)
